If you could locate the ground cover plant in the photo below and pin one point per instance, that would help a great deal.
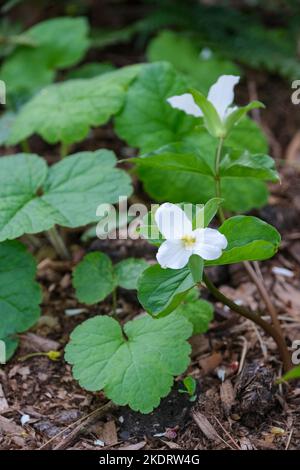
(188, 295)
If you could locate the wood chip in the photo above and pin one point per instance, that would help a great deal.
(227, 395)
(109, 433)
(3, 402)
(9, 427)
(205, 426)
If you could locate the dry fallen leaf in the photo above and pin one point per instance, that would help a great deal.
(205, 426)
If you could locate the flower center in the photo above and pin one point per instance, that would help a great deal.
(188, 241)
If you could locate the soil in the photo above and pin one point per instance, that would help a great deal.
(237, 406)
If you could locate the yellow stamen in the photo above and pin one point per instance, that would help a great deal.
(188, 240)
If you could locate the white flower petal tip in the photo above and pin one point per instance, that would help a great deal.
(185, 103)
(221, 93)
(172, 221)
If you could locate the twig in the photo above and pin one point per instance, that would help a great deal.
(267, 327)
(260, 340)
(289, 439)
(258, 280)
(243, 355)
(109, 405)
(227, 433)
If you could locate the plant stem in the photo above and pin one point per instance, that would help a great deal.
(58, 243)
(217, 176)
(255, 276)
(267, 327)
(25, 146)
(64, 150)
(114, 303)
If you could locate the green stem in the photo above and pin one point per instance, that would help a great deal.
(58, 243)
(217, 176)
(64, 150)
(25, 146)
(267, 327)
(114, 303)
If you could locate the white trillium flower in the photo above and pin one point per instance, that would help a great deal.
(182, 241)
(220, 95)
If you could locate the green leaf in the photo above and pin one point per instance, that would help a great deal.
(58, 43)
(6, 122)
(290, 375)
(147, 121)
(190, 385)
(249, 239)
(20, 295)
(212, 119)
(63, 40)
(90, 70)
(243, 164)
(93, 278)
(183, 54)
(175, 157)
(161, 290)
(136, 369)
(68, 193)
(197, 311)
(239, 113)
(196, 265)
(65, 112)
(128, 271)
(189, 172)
(211, 208)
(11, 345)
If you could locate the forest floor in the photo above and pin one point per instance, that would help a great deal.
(244, 411)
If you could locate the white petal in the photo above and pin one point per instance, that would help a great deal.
(207, 252)
(185, 103)
(221, 94)
(210, 236)
(209, 244)
(172, 254)
(172, 221)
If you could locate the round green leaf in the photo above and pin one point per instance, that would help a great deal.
(136, 369)
(93, 278)
(128, 271)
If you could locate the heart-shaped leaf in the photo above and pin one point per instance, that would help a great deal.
(136, 369)
(68, 193)
(20, 295)
(161, 290)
